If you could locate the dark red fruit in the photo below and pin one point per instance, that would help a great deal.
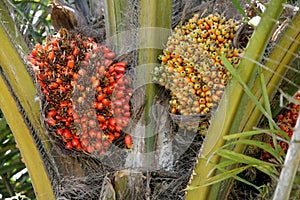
(128, 141)
(75, 142)
(109, 55)
(79, 100)
(120, 69)
(50, 121)
(59, 131)
(67, 134)
(51, 113)
(69, 145)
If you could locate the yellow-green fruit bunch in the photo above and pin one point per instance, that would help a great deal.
(191, 67)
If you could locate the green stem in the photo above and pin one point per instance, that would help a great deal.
(266, 102)
(275, 68)
(155, 21)
(115, 19)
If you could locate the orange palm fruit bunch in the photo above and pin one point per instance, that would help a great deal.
(85, 91)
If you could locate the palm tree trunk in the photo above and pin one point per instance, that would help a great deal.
(18, 105)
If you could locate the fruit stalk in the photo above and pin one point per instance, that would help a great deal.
(155, 20)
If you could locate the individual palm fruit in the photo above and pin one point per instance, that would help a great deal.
(286, 122)
(191, 67)
(85, 90)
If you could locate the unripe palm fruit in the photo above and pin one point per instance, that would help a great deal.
(192, 57)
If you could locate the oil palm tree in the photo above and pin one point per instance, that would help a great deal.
(57, 174)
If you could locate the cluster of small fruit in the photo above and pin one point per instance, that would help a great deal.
(191, 66)
(286, 121)
(87, 94)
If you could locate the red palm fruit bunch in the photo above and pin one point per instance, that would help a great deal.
(86, 93)
(286, 121)
(191, 67)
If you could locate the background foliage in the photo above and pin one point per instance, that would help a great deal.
(14, 178)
